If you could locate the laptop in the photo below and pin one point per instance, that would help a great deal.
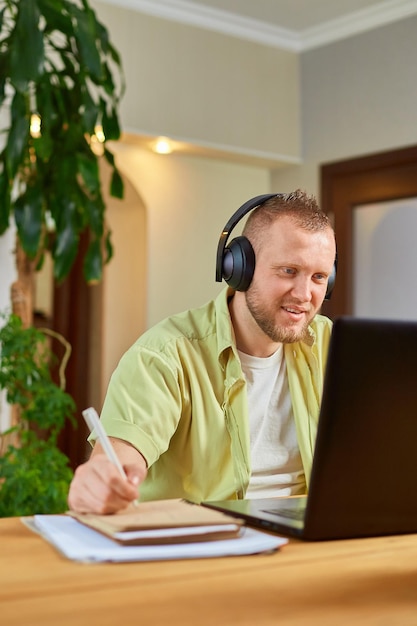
(365, 460)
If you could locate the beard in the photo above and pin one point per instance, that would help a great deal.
(264, 314)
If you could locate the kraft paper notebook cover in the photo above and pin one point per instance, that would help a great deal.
(163, 521)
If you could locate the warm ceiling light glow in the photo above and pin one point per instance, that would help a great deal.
(99, 134)
(97, 140)
(163, 146)
(35, 125)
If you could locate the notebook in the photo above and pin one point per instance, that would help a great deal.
(365, 456)
(162, 522)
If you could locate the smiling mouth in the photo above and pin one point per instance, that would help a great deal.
(294, 311)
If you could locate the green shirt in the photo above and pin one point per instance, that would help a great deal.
(179, 396)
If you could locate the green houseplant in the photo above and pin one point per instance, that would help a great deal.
(60, 80)
(34, 473)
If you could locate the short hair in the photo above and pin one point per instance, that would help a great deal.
(302, 208)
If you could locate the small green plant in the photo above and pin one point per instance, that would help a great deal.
(34, 473)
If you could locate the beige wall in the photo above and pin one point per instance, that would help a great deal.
(8, 272)
(187, 200)
(120, 308)
(194, 84)
(165, 238)
(359, 96)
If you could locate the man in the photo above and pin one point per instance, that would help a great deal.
(222, 402)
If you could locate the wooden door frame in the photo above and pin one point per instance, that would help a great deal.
(72, 307)
(346, 184)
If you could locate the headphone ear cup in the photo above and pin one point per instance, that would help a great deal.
(239, 263)
(331, 282)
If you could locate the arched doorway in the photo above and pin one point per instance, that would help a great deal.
(101, 321)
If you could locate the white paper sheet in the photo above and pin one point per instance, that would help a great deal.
(80, 543)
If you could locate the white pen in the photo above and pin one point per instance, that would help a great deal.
(93, 422)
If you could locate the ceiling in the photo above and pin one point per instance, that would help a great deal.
(296, 25)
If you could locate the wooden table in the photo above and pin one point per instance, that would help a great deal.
(364, 581)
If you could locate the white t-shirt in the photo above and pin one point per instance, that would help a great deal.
(277, 468)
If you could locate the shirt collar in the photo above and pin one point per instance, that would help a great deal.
(224, 328)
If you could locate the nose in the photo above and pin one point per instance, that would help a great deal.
(301, 288)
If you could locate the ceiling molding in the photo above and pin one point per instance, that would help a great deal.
(227, 23)
(215, 20)
(358, 22)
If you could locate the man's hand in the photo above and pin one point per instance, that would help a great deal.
(98, 487)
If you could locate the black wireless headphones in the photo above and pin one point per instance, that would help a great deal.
(236, 261)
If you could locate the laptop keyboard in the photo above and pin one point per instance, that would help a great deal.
(296, 513)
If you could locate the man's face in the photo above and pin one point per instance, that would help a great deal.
(290, 279)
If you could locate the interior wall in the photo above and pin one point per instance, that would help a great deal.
(8, 271)
(8, 275)
(188, 201)
(120, 308)
(385, 260)
(359, 96)
(211, 89)
(165, 234)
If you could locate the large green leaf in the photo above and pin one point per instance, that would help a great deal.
(93, 262)
(115, 57)
(4, 71)
(73, 136)
(57, 109)
(108, 247)
(103, 36)
(116, 185)
(18, 135)
(65, 250)
(2, 17)
(90, 110)
(4, 202)
(26, 46)
(43, 146)
(94, 211)
(88, 168)
(64, 208)
(109, 156)
(110, 123)
(28, 216)
(56, 16)
(108, 84)
(46, 106)
(86, 37)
